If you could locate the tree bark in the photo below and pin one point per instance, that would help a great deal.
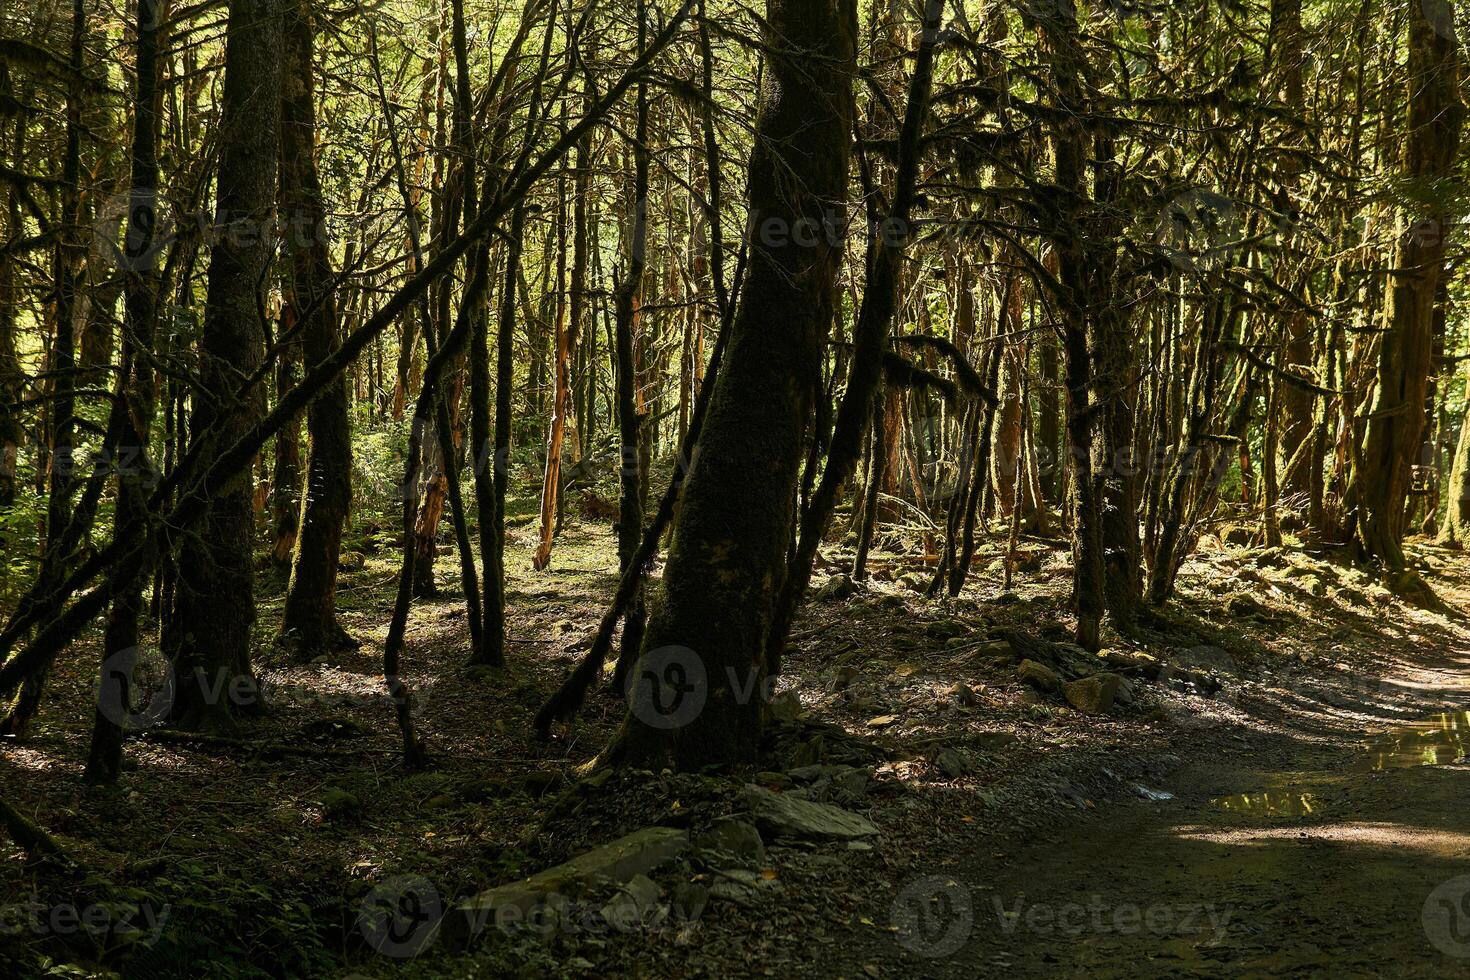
(216, 594)
(310, 621)
(1397, 417)
(121, 635)
(735, 522)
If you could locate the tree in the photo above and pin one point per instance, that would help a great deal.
(1430, 148)
(737, 512)
(309, 621)
(216, 598)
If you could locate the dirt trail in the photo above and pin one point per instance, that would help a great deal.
(1303, 851)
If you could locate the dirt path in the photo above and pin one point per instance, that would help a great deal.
(1302, 852)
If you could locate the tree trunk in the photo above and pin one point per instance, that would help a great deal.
(1456, 530)
(121, 635)
(216, 595)
(631, 435)
(735, 523)
(1397, 416)
(310, 617)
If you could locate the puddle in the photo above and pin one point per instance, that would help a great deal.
(1437, 741)
(1279, 804)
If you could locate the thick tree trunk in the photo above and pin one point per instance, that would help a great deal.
(309, 621)
(870, 340)
(735, 523)
(216, 594)
(1397, 417)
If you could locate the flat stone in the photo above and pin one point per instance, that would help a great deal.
(748, 889)
(635, 905)
(781, 816)
(731, 841)
(509, 907)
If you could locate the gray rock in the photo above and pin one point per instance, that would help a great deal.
(731, 842)
(748, 889)
(952, 762)
(688, 900)
(635, 905)
(846, 784)
(781, 816)
(509, 907)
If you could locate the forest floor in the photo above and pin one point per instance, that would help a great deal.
(1259, 806)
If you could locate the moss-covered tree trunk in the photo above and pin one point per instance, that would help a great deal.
(1396, 419)
(1456, 530)
(695, 694)
(139, 390)
(216, 595)
(310, 618)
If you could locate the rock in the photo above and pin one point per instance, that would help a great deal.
(1092, 695)
(1243, 605)
(780, 816)
(338, 805)
(847, 784)
(785, 706)
(508, 907)
(836, 588)
(635, 905)
(882, 721)
(731, 842)
(915, 581)
(1269, 557)
(1132, 661)
(351, 561)
(844, 676)
(687, 902)
(1152, 795)
(851, 784)
(947, 629)
(993, 741)
(952, 763)
(748, 889)
(1039, 676)
(963, 695)
(996, 648)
